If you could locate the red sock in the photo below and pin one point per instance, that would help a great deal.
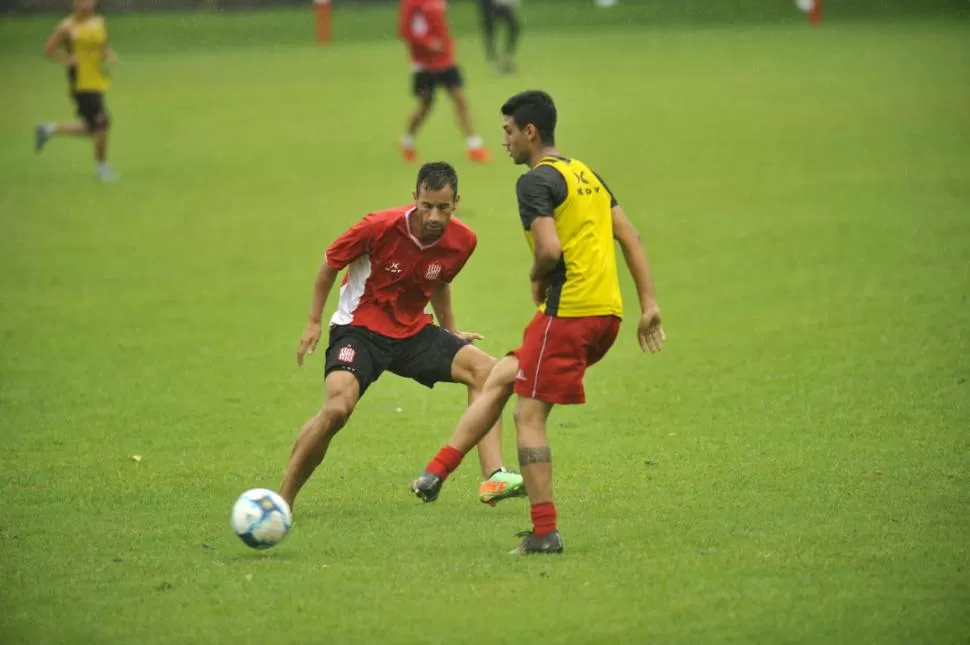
(445, 462)
(543, 518)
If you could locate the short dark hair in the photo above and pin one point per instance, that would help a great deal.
(535, 107)
(436, 175)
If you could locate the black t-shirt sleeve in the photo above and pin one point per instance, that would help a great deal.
(613, 201)
(539, 191)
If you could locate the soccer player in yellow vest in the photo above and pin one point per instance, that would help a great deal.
(80, 43)
(571, 220)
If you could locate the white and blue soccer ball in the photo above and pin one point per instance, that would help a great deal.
(261, 518)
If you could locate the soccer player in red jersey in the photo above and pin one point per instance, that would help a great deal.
(424, 25)
(571, 221)
(399, 260)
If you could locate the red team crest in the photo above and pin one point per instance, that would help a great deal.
(433, 272)
(391, 275)
(346, 354)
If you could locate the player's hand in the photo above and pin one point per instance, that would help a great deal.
(308, 341)
(650, 331)
(539, 289)
(71, 60)
(435, 46)
(468, 336)
(111, 57)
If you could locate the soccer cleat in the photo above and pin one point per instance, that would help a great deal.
(479, 155)
(550, 543)
(427, 486)
(106, 174)
(503, 484)
(410, 154)
(40, 137)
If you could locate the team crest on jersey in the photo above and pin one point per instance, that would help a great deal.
(434, 270)
(346, 354)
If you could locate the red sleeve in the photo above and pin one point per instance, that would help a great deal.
(459, 265)
(354, 243)
(415, 26)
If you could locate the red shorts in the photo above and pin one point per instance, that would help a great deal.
(555, 353)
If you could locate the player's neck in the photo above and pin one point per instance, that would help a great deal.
(415, 229)
(540, 154)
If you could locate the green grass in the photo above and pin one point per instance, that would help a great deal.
(792, 469)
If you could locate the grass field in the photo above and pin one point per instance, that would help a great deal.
(794, 468)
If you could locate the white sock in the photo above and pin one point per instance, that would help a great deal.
(473, 142)
(407, 142)
(50, 128)
(103, 166)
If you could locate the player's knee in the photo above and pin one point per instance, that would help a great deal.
(336, 412)
(100, 123)
(524, 419)
(480, 371)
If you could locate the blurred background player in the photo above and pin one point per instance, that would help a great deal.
(80, 42)
(506, 11)
(424, 25)
(399, 260)
(571, 220)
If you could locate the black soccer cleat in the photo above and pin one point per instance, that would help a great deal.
(40, 137)
(550, 543)
(427, 486)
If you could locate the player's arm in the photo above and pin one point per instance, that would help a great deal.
(54, 47)
(445, 315)
(539, 191)
(354, 243)
(322, 286)
(441, 305)
(548, 247)
(108, 54)
(416, 29)
(650, 331)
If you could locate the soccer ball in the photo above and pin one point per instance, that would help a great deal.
(261, 518)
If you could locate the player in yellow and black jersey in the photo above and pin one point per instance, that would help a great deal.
(80, 43)
(572, 223)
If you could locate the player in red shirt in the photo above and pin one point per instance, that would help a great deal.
(424, 25)
(399, 260)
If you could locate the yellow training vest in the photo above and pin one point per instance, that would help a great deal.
(86, 41)
(585, 282)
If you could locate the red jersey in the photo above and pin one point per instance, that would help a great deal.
(420, 23)
(392, 274)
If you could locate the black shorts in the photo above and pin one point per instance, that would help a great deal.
(426, 82)
(90, 107)
(425, 357)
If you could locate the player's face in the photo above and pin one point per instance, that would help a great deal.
(434, 210)
(516, 141)
(84, 6)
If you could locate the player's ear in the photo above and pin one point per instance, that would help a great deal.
(415, 196)
(454, 204)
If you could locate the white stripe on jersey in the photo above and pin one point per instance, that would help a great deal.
(352, 291)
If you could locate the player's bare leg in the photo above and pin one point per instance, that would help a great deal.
(508, 15)
(475, 145)
(481, 417)
(472, 367)
(44, 131)
(100, 138)
(310, 448)
(415, 120)
(535, 460)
